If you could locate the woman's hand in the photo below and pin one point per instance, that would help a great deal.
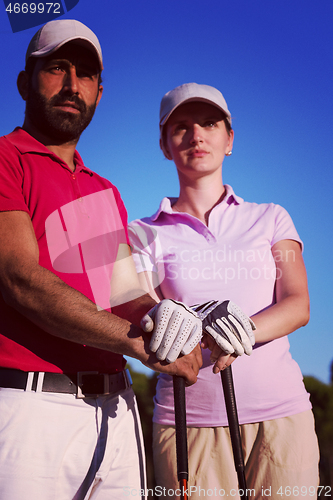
(226, 323)
(218, 357)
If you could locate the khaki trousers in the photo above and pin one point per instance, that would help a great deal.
(281, 458)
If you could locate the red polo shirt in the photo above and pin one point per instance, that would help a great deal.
(79, 220)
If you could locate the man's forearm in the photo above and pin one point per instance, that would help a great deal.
(64, 312)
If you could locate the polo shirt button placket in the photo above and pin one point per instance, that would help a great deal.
(76, 187)
(210, 238)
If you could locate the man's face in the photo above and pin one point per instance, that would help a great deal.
(63, 93)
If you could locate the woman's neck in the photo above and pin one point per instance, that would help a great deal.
(199, 198)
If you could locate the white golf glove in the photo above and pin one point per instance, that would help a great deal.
(226, 323)
(176, 329)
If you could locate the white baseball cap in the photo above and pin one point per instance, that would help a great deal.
(54, 34)
(190, 92)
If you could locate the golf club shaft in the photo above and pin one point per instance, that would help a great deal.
(181, 434)
(230, 402)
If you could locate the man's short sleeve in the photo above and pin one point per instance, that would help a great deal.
(11, 179)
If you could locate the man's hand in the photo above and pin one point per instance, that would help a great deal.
(176, 329)
(185, 366)
(226, 323)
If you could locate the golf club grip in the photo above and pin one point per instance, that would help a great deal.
(181, 433)
(230, 402)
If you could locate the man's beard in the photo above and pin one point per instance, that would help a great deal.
(57, 124)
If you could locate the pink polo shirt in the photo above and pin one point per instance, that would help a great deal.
(79, 221)
(230, 259)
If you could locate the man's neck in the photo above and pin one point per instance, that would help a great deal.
(65, 151)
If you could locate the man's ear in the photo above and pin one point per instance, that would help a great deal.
(23, 84)
(99, 95)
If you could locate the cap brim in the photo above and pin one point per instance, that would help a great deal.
(84, 42)
(195, 99)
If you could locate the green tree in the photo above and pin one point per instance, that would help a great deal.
(321, 396)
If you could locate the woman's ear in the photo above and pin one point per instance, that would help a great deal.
(231, 139)
(23, 84)
(165, 150)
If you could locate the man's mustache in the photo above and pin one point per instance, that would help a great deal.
(60, 100)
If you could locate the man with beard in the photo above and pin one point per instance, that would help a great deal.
(69, 427)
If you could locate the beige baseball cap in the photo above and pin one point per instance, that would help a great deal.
(191, 92)
(54, 34)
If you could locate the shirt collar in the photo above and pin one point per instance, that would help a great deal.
(166, 203)
(25, 143)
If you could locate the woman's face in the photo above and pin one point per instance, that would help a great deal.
(197, 139)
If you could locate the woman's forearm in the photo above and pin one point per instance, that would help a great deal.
(282, 318)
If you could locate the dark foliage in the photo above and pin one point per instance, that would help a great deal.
(321, 396)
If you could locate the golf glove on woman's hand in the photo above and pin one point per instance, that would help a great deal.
(226, 323)
(176, 329)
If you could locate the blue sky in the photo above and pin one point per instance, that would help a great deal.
(273, 63)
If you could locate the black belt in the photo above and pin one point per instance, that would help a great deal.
(83, 384)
